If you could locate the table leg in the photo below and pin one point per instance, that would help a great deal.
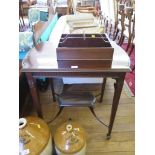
(103, 88)
(52, 89)
(117, 94)
(34, 94)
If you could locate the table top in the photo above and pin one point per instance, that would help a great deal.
(43, 57)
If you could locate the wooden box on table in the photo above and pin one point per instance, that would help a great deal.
(84, 51)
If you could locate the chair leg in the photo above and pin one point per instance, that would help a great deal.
(92, 110)
(103, 88)
(129, 42)
(132, 47)
(121, 37)
(121, 42)
(59, 112)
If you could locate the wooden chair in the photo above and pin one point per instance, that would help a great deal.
(129, 28)
(119, 23)
(108, 25)
(124, 23)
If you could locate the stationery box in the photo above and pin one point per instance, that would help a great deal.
(84, 51)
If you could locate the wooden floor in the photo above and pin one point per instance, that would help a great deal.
(123, 134)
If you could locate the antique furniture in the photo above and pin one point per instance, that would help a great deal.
(77, 99)
(119, 21)
(80, 50)
(129, 32)
(44, 63)
(125, 22)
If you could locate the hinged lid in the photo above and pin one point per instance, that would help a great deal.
(70, 137)
(34, 134)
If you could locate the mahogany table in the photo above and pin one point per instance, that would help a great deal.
(34, 69)
(41, 61)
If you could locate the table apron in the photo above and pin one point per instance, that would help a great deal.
(78, 74)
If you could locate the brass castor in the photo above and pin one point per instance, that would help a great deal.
(108, 137)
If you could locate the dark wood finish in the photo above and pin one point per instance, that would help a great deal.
(52, 88)
(52, 71)
(84, 63)
(77, 99)
(84, 51)
(23, 93)
(102, 89)
(34, 94)
(119, 76)
(98, 53)
(117, 93)
(84, 41)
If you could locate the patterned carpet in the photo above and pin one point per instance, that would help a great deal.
(130, 77)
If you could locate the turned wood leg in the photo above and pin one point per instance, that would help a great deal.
(121, 41)
(103, 88)
(129, 42)
(52, 89)
(132, 47)
(117, 94)
(121, 37)
(34, 94)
